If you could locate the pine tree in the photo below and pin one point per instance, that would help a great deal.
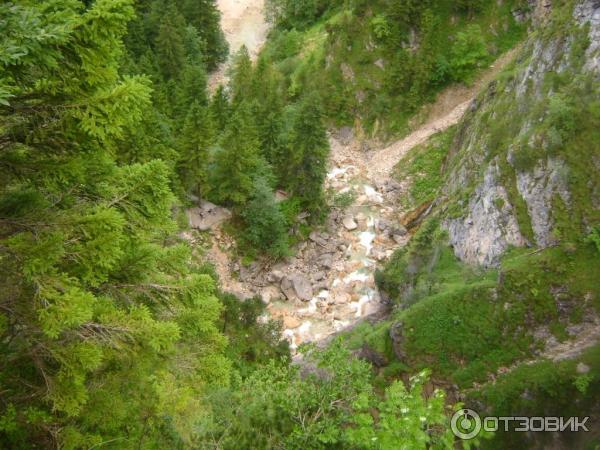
(265, 224)
(308, 149)
(197, 136)
(170, 48)
(241, 77)
(238, 163)
(220, 108)
(108, 330)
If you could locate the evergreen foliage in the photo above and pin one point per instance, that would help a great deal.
(380, 61)
(236, 165)
(196, 138)
(265, 224)
(305, 161)
(111, 330)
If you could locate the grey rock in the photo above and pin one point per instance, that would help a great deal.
(349, 223)
(490, 226)
(326, 260)
(207, 216)
(398, 340)
(318, 276)
(275, 276)
(538, 188)
(382, 225)
(317, 238)
(287, 288)
(302, 287)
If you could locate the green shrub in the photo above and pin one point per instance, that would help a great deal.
(469, 52)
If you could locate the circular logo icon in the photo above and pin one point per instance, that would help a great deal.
(465, 424)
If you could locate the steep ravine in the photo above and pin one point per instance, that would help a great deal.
(329, 284)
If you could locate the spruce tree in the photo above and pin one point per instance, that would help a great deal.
(170, 48)
(268, 107)
(308, 150)
(191, 88)
(206, 18)
(238, 163)
(197, 136)
(107, 328)
(265, 224)
(241, 77)
(220, 108)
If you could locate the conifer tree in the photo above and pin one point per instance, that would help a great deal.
(268, 107)
(220, 108)
(170, 48)
(107, 329)
(189, 89)
(238, 163)
(241, 77)
(195, 47)
(265, 224)
(308, 150)
(197, 136)
(206, 18)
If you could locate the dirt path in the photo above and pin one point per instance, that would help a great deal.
(336, 266)
(243, 23)
(447, 110)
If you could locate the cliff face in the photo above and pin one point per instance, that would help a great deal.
(524, 168)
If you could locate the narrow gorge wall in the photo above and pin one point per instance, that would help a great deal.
(523, 156)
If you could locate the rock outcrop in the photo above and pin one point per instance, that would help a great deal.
(505, 183)
(207, 216)
(490, 226)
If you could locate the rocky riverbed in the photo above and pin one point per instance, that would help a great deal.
(329, 284)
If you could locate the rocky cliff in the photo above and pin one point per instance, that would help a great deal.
(514, 329)
(524, 155)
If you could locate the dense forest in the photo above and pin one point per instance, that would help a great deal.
(115, 329)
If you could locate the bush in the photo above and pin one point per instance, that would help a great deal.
(468, 53)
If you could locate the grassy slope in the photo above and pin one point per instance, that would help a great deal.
(467, 324)
(337, 56)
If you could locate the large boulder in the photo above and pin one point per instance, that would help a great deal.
(275, 276)
(297, 286)
(326, 260)
(207, 216)
(287, 288)
(302, 287)
(349, 223)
